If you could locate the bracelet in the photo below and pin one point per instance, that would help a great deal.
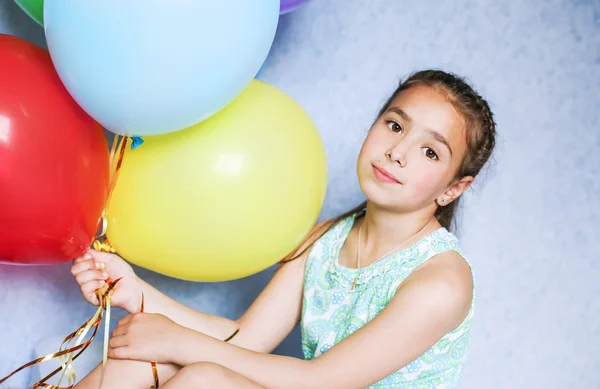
(232, 335)
(155, 374)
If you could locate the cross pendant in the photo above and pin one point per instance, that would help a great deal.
(354, 283)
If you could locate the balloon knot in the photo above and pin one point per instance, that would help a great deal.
(103, 245)
(136, 142)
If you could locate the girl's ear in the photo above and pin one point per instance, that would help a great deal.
(454, 191)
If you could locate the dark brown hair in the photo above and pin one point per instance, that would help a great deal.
(481, 135)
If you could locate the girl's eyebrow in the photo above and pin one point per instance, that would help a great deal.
(440, 138)
(401, 113)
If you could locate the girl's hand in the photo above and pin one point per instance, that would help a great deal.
(94, 268)
(147, 337)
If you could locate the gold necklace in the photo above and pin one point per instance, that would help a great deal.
(358, 268)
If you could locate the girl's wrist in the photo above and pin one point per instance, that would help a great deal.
(198, 347)
(138, 298)
(190, 347)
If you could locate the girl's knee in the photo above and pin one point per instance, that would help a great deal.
(128, 374)
(204, 374)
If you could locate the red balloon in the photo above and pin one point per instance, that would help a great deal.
(54, 164)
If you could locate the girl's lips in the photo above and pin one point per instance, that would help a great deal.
(384, 176)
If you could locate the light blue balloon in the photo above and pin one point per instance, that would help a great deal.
(148, 67)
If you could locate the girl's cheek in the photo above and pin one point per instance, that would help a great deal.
(426, 185)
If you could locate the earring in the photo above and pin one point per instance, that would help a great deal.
(443, 200)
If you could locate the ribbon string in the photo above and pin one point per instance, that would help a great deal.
(93, 324)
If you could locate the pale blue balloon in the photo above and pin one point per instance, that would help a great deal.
(148, 67)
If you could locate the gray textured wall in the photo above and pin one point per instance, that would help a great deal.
(530, 228)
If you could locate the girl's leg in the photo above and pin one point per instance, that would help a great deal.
(125, 374)
(204, 375)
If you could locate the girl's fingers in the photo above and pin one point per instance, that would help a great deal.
(120, 330)
(101, 257)
(124, 320)
(85, 257)
(90, 287)
(82, 266)
(90, 275)
(117, 341)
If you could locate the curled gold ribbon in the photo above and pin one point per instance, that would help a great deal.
(92, 324)
(67, 356)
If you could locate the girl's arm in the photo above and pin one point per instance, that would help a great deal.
(267, 322)
(211, 325)
(431, 302)
(270, 318)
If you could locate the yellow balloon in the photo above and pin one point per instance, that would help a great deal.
(223, 199)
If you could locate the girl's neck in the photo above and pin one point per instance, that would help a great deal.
(383, 230)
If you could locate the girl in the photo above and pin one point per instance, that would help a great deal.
(383, 293)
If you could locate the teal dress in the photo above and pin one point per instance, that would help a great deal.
(331, 311)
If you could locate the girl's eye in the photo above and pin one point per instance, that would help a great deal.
(394, 126)
(429, 153)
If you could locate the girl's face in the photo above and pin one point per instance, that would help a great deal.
(411, 155)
